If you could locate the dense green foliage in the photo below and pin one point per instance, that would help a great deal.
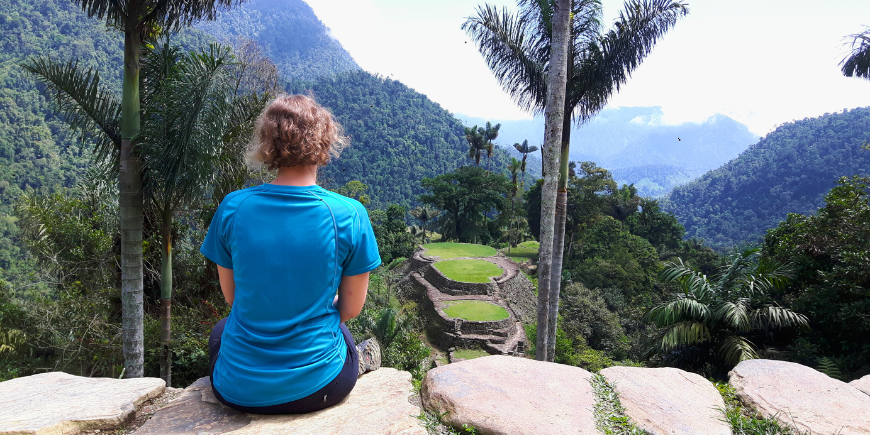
(788, 171)
(291, 35)
(398, 136)
(829, 251)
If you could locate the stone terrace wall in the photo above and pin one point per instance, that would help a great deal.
(456, 288)
(519, 293)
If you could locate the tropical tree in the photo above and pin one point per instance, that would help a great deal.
(139, 20)
(709, 326)
(425, 214)
(518, 49)
(858, 61)
(525, 149)
(513, 167)
(476, 144)
(490, 133)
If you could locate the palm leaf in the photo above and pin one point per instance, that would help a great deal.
(84, 104)
(735, 315)
(685, 334)
(678, 310)
(735, 349)
(858, 62)
(775, 317)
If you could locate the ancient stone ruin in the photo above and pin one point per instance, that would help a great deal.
(434, 291)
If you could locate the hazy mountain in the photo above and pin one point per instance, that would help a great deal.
(633, 143)
(290, 34)
(788, 171)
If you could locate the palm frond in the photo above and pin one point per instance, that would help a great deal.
(858, 62)
(690, 280)
(84, 104)
(735, 349)
(775, 317)
(509, 50)
(735, 315)
(678, 310)
(685, 334)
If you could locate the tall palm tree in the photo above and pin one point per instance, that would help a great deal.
(517, 49)
(476, 144)
(425, 214)
(709, 324)
(490, 133)
(193, 112)
(513, 167)
(858, 61)
(138, 19)
(525, 149)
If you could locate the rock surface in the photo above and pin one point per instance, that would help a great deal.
(60, 403)
(801, 397)
(668, 400)
(862, 384)
(509, 395)
(377, 405)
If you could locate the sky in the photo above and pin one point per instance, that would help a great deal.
(761, 62)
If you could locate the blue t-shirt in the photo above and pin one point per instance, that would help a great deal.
(288, 247)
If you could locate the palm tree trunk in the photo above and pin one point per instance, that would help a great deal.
(559, 236)
(554, 114)
(131, 214)
(166, 296)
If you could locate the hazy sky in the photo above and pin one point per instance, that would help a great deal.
(761, 62)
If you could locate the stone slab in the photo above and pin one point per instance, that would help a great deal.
(802, 397)
(510, 395)
(862, 384)
(669, 401)
(377, 405)
(60, 403)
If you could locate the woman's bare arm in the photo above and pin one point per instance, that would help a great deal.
(351, 295)
(228, 284)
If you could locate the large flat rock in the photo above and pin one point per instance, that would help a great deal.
(862, 384)
(669, 401)
(510, 395)
(801, 397)
(60, 403)
(377, 405)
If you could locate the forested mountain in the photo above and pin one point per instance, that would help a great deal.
(398, 136)
(290, 34)
(788, 171)
(634, 144)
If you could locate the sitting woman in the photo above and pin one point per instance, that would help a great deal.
(282, 250)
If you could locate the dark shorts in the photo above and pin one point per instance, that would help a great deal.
(334, 392)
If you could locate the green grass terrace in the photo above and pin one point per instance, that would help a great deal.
(476, 271)
(456, 250)
(475, 311)
(526, 251)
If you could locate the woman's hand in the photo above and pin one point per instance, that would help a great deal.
(351, 295)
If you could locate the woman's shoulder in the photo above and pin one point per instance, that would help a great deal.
(345, 205)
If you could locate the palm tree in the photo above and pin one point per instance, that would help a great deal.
(425, 214)
(138, 19)
(525, 149)
(858, 62)
(518, 50)
(193, 112)
(490, 133)
(708, 325)
(475, 137)
(513, 167)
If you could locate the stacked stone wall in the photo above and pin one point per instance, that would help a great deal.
(519, 293)
(456, 288)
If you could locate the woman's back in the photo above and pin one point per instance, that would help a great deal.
(288, 247)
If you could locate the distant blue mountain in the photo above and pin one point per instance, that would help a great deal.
(637, 148)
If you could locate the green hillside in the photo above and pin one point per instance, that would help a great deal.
(290, 34)
(789, 171)
(398, 136)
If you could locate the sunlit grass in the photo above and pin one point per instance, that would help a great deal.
(469, 353)
(455, 250)
(525, 251)
(475, 311)
(478, 271)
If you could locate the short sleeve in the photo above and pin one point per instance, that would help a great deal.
(214, 247)
(364, 256)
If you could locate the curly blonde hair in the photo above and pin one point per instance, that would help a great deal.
(294, 130)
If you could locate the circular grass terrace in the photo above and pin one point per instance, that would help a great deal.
(476, 271)
(475, 311)
(456, 250)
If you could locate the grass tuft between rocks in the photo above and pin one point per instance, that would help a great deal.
(610, 418)
(744, 421)
(435, 425)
